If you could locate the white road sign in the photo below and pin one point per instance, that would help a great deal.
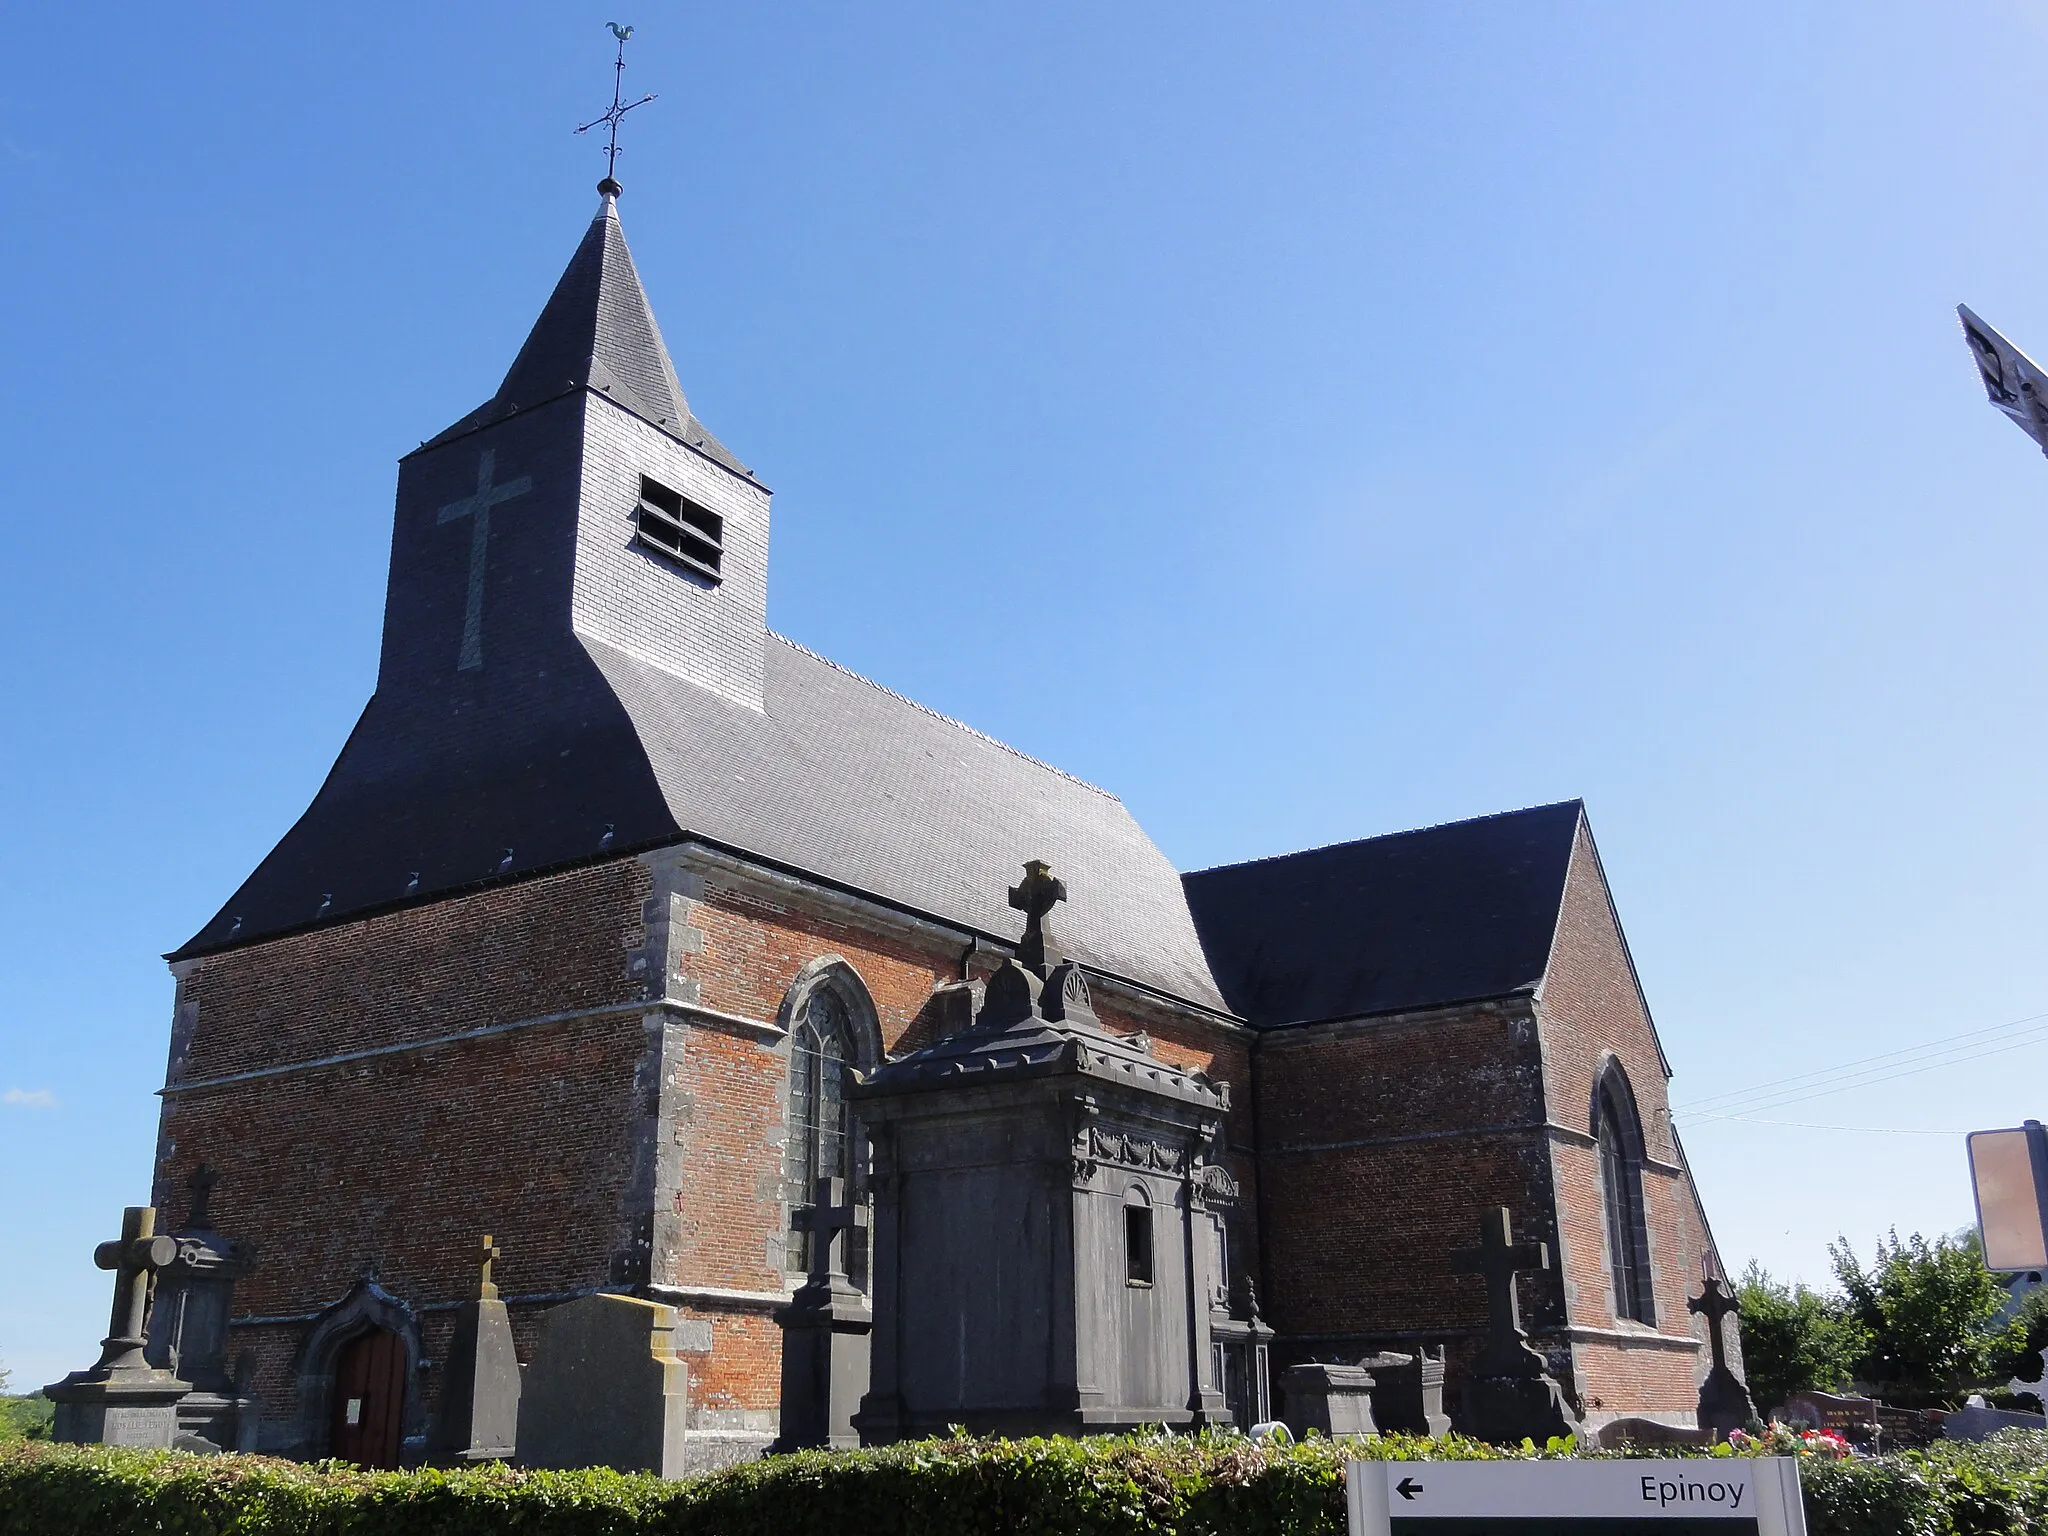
(2009, 1176)
(1665, 1496)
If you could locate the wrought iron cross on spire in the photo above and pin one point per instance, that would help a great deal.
(618, 109)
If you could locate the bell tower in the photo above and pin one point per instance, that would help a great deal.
(580, 517)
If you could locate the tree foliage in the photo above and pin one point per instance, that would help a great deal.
(1795, 1339)
(1927, 1309)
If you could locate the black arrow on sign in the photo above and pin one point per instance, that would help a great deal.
(1407, 1487)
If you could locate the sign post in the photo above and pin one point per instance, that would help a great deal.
(1667, 1496)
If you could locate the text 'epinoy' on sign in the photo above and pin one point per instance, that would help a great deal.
(1731, 1496)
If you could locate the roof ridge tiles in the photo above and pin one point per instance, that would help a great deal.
(926, 709)
(1380, 837)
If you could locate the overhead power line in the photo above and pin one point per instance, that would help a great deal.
(1868, 1071)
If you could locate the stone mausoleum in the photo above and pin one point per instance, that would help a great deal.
(622, 922)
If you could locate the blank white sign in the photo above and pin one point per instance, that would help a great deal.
(2007, 1178)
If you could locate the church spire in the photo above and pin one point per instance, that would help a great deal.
(597, 332)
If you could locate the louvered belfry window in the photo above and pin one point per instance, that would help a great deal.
(671, 524)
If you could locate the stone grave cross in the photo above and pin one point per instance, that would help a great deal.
(1714, 1303)
(829, 1216)
(1724, 1401)
(477, 508)
(492, 1251)
(1497, 1260)
(134, 1257)
(1035, 896)
(201, 1184)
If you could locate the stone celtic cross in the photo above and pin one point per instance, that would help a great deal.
(1035, 896)
(1714, 1303)
(477, 507)
(828, 1218)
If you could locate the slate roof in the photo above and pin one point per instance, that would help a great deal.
(837, 777)
(1411, 920)
(847, 780)
(598, 331)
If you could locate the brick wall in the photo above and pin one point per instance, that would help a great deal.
(1382, 1140)
(612, 1105)
(1381, 1143)
(1593, 1014)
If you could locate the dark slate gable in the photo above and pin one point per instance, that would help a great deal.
(1412, 920)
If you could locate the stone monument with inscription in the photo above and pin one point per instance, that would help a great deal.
(825, 1332)
(188, 1325)
(1509, 1394)
(1042, 1254)
(479, 1414)
(123, 1399)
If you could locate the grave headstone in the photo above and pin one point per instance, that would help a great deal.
(1853, 1418)
(1333, 1400)
(1630, 1431)
(479, 1415)
(605, 1388)
(1509, 1394)
(825, 1332)
(188, 1325)
(1978, 1420)
(123, 1399)
(1408, 1391)
(1724, 1401)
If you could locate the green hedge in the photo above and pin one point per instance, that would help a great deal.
(1132, 1486)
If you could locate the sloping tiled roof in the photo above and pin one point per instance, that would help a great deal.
(847, 780)
(836, 778)
(1446, 914)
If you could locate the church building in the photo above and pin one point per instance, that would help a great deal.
(614, 893)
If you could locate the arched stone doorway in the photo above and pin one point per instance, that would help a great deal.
(356, 1369)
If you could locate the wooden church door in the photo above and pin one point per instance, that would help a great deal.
(369, 1400)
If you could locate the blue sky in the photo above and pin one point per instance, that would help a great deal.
(1306, 420)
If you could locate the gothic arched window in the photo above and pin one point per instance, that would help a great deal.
(1620, 1140)
(823, 1140)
